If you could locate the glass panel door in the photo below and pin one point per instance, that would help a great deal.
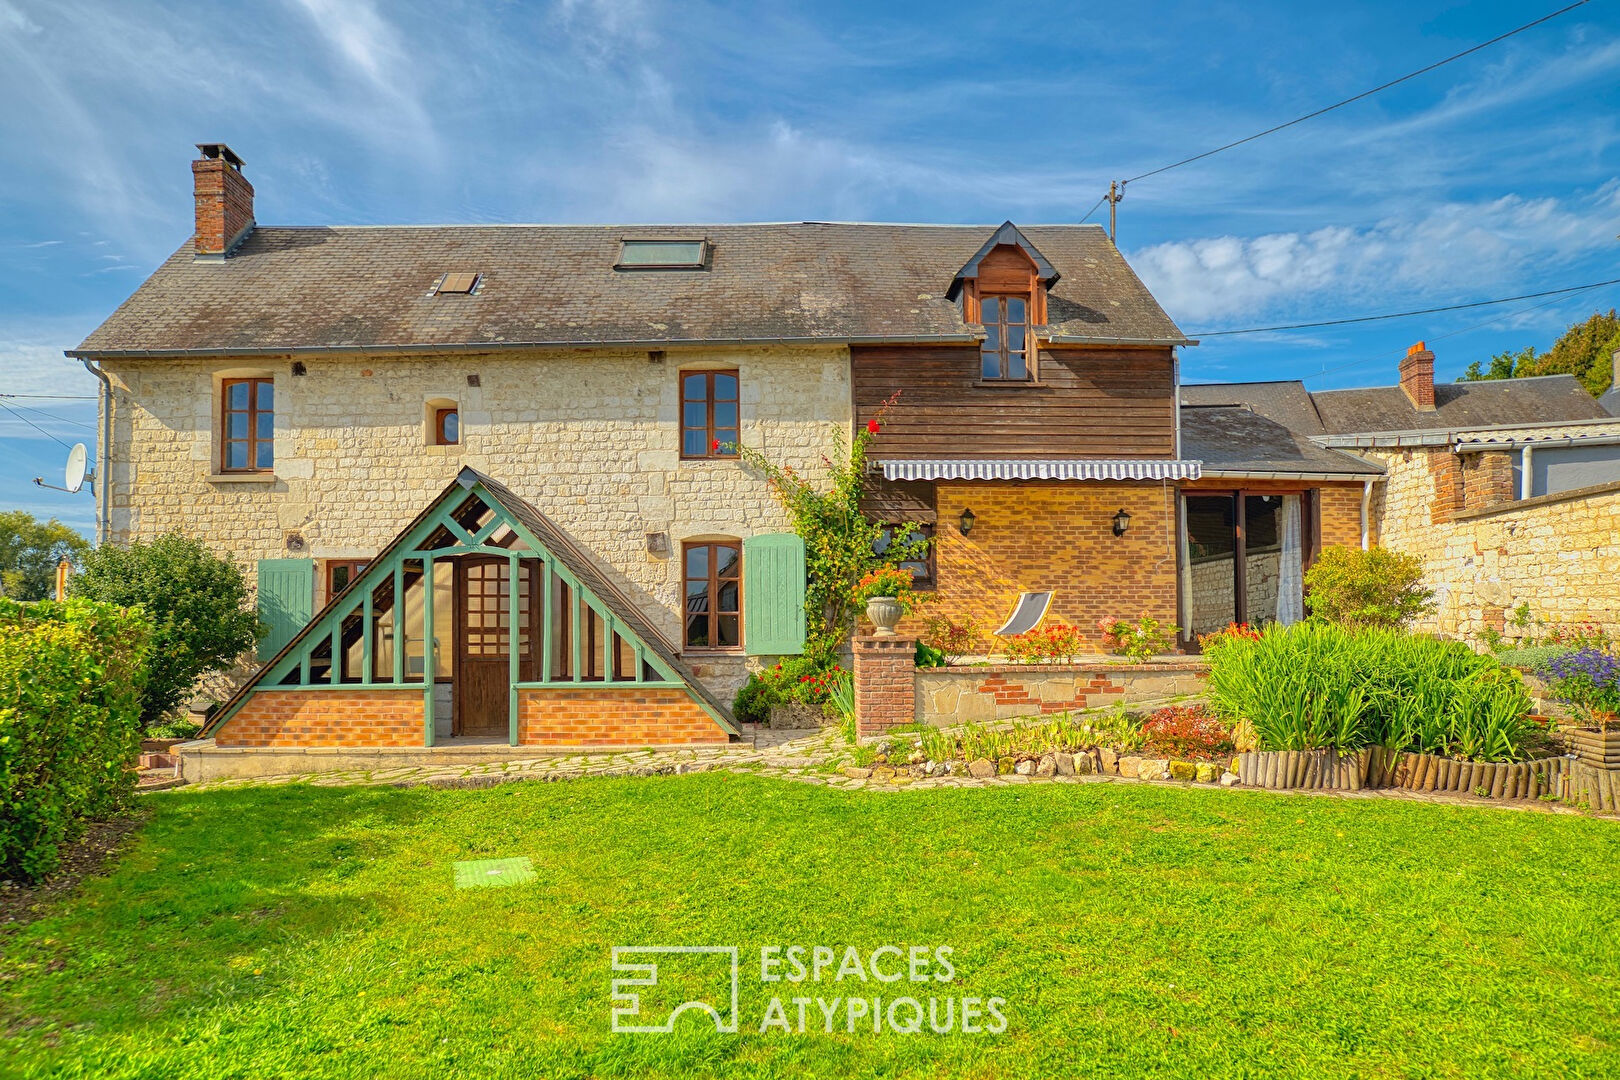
(1211, 562)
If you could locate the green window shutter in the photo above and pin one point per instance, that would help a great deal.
(773, 595)
(286, 595)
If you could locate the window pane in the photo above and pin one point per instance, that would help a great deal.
(340, 579)
(1015, 366)
(1015, 337)
(992, 309)
(236, 395)
(1015, 309)
(728, 635)
(725, 388)
(265, 455)
(728, 596)
(661, 253)
(266, 425)
(697, 630)
(693, 443)
(725, 414)
(695, 387)
(989, 366)
(452, 427)
(236, 425)
(727, 440)
(992, 339)
(695, 414)
(236, 455)
(697, 562)
(266, 395)
(727, 558)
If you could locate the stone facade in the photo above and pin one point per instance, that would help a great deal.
(947, 696)
(590, 437)
(598, 717)
(355, 717)
(1485, 553)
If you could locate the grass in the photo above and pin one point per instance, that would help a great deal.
(1132, 930)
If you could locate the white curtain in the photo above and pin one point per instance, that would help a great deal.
(1291, 571)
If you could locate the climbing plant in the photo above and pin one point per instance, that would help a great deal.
(840, 542)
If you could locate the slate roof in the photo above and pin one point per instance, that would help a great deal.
(1611, 400)
(1547, 399)
(1236, 439)
(336, 288)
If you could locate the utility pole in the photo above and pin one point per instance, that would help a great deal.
(1116, 192)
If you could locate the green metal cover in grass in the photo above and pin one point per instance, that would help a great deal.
(494, 873)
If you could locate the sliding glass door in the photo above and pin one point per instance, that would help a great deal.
(1243, 559)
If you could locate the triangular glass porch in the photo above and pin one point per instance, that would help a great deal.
(496, 556)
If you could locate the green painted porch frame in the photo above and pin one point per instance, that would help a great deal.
(327, 627)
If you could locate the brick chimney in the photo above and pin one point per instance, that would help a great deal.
(1417, 377)
(224, 201)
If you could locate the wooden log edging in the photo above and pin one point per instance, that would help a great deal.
(1380, 767)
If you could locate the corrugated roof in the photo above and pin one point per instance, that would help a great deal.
(1236, 439)
(371, 287)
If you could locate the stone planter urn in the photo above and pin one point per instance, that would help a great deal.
(1599, 749)
(885, 612)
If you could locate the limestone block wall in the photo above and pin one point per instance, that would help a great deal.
(1559, 553)
(591, 437)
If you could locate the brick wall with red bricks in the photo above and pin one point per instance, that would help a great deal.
(1340, 509)
(885, 672)
(326, 718)
(1034, 536)
(603, 717)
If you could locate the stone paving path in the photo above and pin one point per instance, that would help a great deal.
(812, 757)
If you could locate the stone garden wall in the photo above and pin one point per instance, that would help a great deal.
(956, 695)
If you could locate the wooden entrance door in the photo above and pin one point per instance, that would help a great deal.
(483, 637)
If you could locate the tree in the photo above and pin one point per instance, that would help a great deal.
(197, 602)
(1585, 350)
(840, 542)
(29, 552)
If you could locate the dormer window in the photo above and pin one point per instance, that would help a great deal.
(1004, 354)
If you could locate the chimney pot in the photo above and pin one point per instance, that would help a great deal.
(1417, 377)
(224, 201)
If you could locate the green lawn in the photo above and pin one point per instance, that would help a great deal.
(1132, 930)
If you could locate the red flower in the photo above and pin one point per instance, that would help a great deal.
(714, 447)
(872, 426)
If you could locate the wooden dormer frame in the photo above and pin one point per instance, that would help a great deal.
(995, 270)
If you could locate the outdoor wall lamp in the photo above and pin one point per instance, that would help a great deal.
(966, 524)
(1122, 521)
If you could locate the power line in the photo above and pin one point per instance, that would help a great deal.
(1442, 337)
(54, 397)
(19, 415)
(1404, 314)
(1350, 100)
(53, 416)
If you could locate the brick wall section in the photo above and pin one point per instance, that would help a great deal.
(614, 717)
(224, 204)
(1487, 479)
(1341, 515)
(1447, 500)
(326, 718)
(1034, 536)
(885, 683)
(1417, 377)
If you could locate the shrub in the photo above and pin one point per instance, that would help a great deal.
(927, 656)
(1588, 679)
(1187, 731)
(1139, 640)
(1053, 643)
(1376, 587)
(1315, 685)
(1532, 657)
(70, 693)
(196, 601)
(796, 680)
(954, 638)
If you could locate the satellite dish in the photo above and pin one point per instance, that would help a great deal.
(75, 468)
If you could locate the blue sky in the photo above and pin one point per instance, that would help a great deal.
(1497, 175)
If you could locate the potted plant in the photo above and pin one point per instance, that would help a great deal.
(888, 596)
(1589, 680)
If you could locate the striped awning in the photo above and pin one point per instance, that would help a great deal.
(1095, 469)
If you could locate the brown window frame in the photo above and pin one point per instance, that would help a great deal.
(713, 583)
(1003, 353)
(439, 415)
(929, 581)
(252, 412)
(709, 401)
(356, 567)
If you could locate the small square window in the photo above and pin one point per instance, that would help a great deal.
(458, 283)
(662, 255)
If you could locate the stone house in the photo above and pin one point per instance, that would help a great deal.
(407, 434)
(1509, 491)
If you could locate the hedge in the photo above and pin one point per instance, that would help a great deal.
(71, 676)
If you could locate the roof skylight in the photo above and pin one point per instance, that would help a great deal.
(457, 283)
(662, 255)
